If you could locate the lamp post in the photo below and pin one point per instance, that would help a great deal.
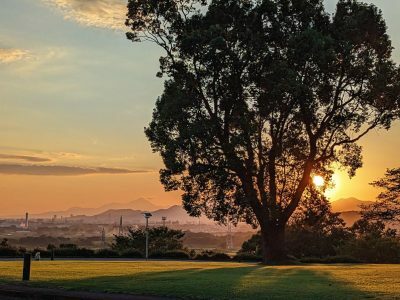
(147, 216)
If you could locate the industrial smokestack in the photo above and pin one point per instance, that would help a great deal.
(26, 220)
(120, 231)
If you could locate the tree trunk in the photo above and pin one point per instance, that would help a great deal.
(273, 243)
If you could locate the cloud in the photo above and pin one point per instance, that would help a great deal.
(9, 55)
(43, 170)
(97, 13)
(24, 157)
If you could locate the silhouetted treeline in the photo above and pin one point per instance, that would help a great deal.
(365, 241)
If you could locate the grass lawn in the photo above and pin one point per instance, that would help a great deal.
(213, 280)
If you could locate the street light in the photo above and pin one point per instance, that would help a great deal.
(147, 216)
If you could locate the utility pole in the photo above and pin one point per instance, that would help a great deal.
(26, 221)
(103, 236)
(147, 216)
(229, 239)
(120, 230)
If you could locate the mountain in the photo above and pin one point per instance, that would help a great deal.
(348, 204)
(140, 204)
(177, 213)
(111, 216)
(130, 216)
(350, 217)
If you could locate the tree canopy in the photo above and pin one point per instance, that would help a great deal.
(160, 239)
(387, 206)
(261, 95)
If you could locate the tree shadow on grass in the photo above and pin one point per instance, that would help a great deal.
(248, 282)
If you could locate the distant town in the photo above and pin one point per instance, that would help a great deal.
(96, 227)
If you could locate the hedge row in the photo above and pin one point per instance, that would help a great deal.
(109, 253)
(178, 254)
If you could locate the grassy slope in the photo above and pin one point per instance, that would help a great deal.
(206, 280)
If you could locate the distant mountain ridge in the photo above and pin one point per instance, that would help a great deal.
(140, 204)
(132, 212)
(348, 204)
(130, 216)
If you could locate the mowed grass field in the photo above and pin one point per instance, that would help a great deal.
(213, 280)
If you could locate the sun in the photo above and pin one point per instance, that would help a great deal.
(318, 181)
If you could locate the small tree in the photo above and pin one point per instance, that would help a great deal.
(387, 206)
(4, 243)
(314, 230)
(261, 95)
(160, 239)
(372, 242)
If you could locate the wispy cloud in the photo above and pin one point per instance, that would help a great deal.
(24, 158)
(9, 55)
(98, 13)
(45, 170)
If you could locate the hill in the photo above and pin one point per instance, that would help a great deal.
(130, 216)
(348, 204)
(141, 204)
(350, 217)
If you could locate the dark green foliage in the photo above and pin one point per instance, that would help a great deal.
(68, 246)
(373, 249)
(212, 256)
(324, 239)
(131, 253)
(387, 206)
(261, 95)
(252, 246)
(314, 230)
(247, 256)
(107, 253)
(9, 252)
(338, 259)
(51, 247)
(43, 252)
(22, 250)
(161, 239)
(172, 254)
(4, 243)
(73, 252)
(6, 250)
(373, 243)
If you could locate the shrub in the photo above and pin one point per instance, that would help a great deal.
(106, 253)
(160, 239)
(338, 259)
(74, 252)
(173, 254)
(43, 253)
(21, 250)
(9, 252)
(68, 246)
(213, 256)
(247, 257)
(131, 253)
(373, 249)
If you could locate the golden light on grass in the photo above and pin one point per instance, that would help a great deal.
(318, 181)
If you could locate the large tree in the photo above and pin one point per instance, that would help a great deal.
(260, 96)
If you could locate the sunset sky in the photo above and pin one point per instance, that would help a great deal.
(75, 95)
